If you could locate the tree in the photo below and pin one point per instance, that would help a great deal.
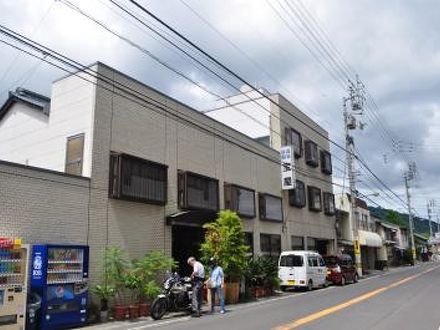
(225, 241)
(394, 217)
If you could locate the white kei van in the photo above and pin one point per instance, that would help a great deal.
(302, 269)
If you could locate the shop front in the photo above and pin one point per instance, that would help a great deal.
(370, 243)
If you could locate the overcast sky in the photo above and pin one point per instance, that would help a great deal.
(394, 46)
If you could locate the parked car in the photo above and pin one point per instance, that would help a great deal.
(341, 269)
(301, 269)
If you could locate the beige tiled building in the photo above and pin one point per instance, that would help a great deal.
(157, 170)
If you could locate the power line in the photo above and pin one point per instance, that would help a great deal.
(143, 9)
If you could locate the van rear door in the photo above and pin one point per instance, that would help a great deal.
(289, 267)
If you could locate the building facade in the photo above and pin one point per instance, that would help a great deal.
(275, 121)
(361, 225)
(158, 170)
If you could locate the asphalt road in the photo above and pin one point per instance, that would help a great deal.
(407, 298)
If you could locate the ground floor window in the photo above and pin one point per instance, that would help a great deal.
(249, 241)
(270, 245)
(311, 243)
(297, 243)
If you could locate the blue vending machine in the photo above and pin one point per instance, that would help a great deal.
(59, 276)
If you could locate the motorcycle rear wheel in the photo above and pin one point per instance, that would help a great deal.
(158, 308)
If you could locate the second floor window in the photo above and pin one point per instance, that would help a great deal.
(240, 200)
(136, 179)
(74, 154)
(294, 138)
(315, 202)
(326, 162)
(329, 203)
(297, 196)
(197, 192)
(271, 207)
(311, 153)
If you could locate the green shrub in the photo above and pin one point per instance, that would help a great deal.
(225, 241)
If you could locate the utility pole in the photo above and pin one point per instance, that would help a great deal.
(352, 107)
(430, 205)
(408, 176)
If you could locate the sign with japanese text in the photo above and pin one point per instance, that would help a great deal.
(357, 247)
(10, 243)
(288, 177)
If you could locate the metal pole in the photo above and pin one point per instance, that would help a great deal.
(411, 230)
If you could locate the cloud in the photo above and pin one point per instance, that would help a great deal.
(393, 45)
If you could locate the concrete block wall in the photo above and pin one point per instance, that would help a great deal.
(42, 206)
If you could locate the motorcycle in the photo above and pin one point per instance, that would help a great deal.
(176, 297)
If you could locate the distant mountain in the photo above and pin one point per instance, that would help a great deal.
(421, 225)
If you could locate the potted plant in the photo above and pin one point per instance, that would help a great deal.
(262, 276)
(254, 276)
(270, 275)
(116, 266)
(150, 270)
(104, 291)
(225, 241)
(133, 282)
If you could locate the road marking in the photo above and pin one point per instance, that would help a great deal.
(154, 325)
(315, 316)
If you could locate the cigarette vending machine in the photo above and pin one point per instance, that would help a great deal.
(13, 283)
(60, 277)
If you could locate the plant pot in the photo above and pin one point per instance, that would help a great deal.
(144, 310)
(103, 315)
(268, 292)
(121, 312)
(259, 292)
(232, 290)
(134, 311)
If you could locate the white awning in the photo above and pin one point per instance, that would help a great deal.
(368, 238)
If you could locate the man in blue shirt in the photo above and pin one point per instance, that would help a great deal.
(215, 282)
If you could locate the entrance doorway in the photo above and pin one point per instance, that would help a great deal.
(186, 242)
(321, 246)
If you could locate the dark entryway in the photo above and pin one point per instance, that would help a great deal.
(321, 246)
(187, 235)
(186, 243)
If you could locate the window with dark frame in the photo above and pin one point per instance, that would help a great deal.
(240, 200)
(294, 138)
(74, 154)
(297, 243)
(297, 196)
(329, 203)
(326, 162)
(315, 201)
(270, 245)
(311, 153)
(197, 192)
(135, 179)
(312, 243)
(249, 241)
(270, 207)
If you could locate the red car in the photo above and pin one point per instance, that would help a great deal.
(341, 270)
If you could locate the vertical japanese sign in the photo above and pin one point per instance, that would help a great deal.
(288, 177)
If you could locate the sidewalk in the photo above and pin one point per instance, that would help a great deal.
(148, 322)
